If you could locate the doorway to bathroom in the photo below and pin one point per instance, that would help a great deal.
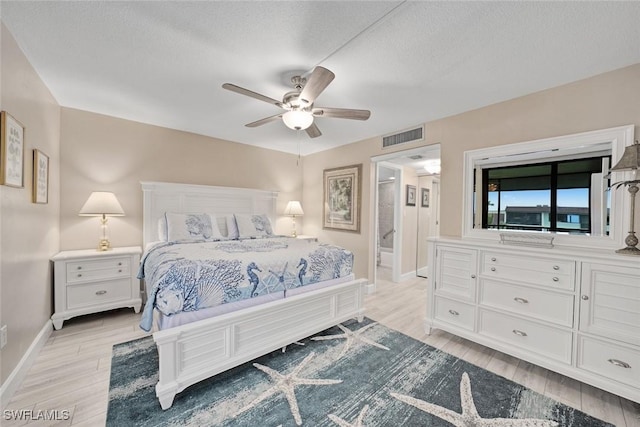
(406, 198)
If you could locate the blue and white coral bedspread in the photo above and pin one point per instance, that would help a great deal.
(187, 276)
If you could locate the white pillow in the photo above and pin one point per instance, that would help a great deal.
(221, 220)
(162, 229)
(253, 226)
(232, 227)
(191, 226)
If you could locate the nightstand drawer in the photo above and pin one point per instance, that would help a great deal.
(98, 270)
(98, 293)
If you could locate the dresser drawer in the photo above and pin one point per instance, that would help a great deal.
(98, 293)
(541, 304)
(609, 360)
(455, 312)
(528, 335)
(98, 269)
(557, 274)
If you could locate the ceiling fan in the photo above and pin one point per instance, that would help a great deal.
(298, 103)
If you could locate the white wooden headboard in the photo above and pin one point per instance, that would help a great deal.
(161, 197)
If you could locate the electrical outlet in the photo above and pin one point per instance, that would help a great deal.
(3, 336)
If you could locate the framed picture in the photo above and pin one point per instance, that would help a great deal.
(11, 151)
(40, 177)
(342, 188)
(411, 195)
(425, 198)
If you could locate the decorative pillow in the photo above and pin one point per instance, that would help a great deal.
(254, 225)
(191, 227)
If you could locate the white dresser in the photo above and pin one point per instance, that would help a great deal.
(90, 281)
(576, 312)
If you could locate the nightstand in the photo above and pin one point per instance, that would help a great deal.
(308, 238)
(90, 281)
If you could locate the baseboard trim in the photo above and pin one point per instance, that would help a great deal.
(16, 377)
(407, 276)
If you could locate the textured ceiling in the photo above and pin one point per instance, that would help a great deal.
(163, 63)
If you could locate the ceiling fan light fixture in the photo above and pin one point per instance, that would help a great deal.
(297, 120)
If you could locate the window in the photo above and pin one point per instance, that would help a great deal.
(609, 208)
(551, 196)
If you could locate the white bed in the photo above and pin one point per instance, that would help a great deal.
(191, 352)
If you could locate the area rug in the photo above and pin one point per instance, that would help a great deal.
(354, 374)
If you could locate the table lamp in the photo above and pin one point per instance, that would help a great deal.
(293, 209)
(630, 161)
(103, 204)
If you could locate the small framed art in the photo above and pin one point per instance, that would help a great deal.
(411, 195)
(425, 198)
(11, 151)
(40, 177)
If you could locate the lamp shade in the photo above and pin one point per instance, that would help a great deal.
(630, 159)
(298, 120)
(294, 208)
(101, 203)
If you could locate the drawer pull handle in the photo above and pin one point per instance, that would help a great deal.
(519, 333)
(556, 267)
(79, 267)
(619, 363)
(101, 292)
(585, 297)
(79, 275)
(473, 276)
(120, 271)
(493, 269)
(555, 279)
(493, 259)
(455, 313)
(521, 300)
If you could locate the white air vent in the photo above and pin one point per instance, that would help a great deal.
(404, 137)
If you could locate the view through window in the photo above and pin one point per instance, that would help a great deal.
(551, 196)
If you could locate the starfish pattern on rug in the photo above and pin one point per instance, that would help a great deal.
(351, 337)
(286, 384)
(470, 416)
(358, 422)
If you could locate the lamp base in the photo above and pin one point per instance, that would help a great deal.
(631, 241)
(104, 245)
(629, 250)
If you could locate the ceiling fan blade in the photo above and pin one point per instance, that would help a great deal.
(342, 113)
(264, 121)
(313, 131)
(317, 82)
(252, 94)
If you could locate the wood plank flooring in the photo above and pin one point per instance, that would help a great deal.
(71, 373)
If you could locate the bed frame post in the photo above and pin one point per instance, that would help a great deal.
(167, 386)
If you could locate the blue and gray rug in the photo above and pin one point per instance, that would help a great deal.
(354, 374)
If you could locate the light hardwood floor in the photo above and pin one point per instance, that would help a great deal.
(71, 372)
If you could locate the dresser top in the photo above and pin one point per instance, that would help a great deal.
(94, 253)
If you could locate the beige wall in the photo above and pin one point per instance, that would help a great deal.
(102, 153)
(409, 222)
(603, 101)
(29, 233)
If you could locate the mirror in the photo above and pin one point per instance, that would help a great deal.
(556, 186)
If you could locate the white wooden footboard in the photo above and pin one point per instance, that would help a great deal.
(199, 350)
